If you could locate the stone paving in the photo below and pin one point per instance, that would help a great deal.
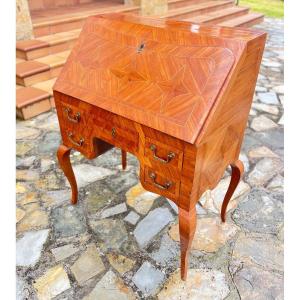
(121, 242)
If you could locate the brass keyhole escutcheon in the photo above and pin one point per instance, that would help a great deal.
(141, 47)
(113, 132)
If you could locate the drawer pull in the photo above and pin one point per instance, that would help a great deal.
(167, 185)
(113, 132)
(75, 118)
(170, 156)
(79, 144)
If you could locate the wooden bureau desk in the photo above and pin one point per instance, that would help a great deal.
(175, 94)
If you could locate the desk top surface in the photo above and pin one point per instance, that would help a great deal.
(163, 74)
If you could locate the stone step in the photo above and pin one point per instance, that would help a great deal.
(34, 100)
(47, 86)
(31, 72)
(39, 61)
(197, 9)
(18, 60)
(41, 15)
(30, 49)
(75, 21)
(181, 3)
(31, 102)
(53, 43)
(46, 45)
(220, 16)
(42, 5)
(244, 21)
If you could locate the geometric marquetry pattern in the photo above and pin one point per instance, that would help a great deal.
(150, 75)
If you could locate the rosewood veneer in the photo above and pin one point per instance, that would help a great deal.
(175, 94)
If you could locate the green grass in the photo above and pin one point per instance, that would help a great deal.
(270, 8)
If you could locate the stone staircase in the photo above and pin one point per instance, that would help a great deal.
(40, 60)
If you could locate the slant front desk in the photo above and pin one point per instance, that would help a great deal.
(175, 94)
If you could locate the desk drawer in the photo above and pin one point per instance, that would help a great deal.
(163, 156)
(73, 115)
(76, 140)
(160, 184)
(113, 130)
(73, 120)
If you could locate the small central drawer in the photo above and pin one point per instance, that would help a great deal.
(116, 133)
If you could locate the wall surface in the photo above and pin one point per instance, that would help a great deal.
(154, 7)
(132, 2)
(23, 21)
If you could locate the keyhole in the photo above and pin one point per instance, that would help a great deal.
(141, 47)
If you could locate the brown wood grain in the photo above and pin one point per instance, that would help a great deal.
(63, 155)
(116, 76)
(237, 170)
(179, 103)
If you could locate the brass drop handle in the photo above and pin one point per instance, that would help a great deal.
(170, 156)
(166, 186)
(75, 118)
(113, 132)
(79, 144)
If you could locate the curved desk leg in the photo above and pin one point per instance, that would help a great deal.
(237, 170)
(187, 227)
(124, 160)
(63, 155)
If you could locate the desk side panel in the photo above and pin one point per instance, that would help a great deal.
(223, 134)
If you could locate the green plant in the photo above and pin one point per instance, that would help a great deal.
(270, 8)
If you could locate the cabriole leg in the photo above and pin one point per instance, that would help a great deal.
(63, 155)
(124, 160)
(237, 170)
(187, 227)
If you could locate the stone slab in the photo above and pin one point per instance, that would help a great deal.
(210, 234)
(88, 265)
(68, 221)
(148, 279)
(111, 233)
(60, 253)
(52, 283)
(151, 225)
(120, 262)
(114, 210)
(110, 287)
(255, 283)
(86, 174)
(201, 284)
(261, 212)
(29, 247)
(132, 218)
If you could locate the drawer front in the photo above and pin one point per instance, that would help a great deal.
(73, 115)
(163, 156)
(74, 127)
(160, 184)
(116, 131)
(76, 139)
